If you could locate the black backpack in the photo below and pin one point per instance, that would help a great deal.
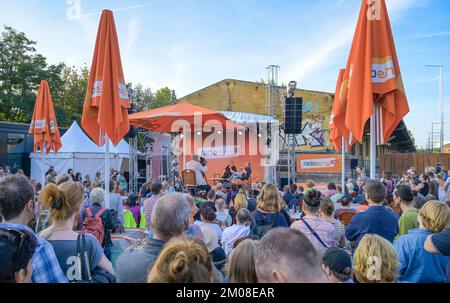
(260, 230)
(117, 225)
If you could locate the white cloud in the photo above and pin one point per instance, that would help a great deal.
(134, 31)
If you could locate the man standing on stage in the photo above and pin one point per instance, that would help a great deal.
(200, 172)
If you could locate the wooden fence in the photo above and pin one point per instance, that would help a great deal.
(399, 163)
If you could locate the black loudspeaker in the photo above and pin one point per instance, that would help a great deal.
(132, 133)
(293, 115)
(353, 163)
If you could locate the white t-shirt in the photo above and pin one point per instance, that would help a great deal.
(199, 169)
(233, 233)
(214, 226)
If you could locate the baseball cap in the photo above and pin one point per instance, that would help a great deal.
(337, 260)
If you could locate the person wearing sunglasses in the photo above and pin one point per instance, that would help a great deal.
(17, 248)
(17, 208)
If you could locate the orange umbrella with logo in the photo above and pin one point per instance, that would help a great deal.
(43, 124)
(337, 119)
(106, 105)
(372, 83)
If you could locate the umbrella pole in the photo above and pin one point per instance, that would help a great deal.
(42, 169)
(343, 165)
(106, 171)
(373, 147)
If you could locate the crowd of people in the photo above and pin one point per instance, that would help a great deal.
(372, 231)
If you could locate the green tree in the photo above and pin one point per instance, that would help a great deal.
(21, 71)
(164, 97)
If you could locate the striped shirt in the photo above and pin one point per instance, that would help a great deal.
(324, 230)
(339, 231)
(149, 206)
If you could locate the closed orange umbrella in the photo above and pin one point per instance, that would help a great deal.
(106, 105)
(337, 119)
(43, 125)
(372, 81)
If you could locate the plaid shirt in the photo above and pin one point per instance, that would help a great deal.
(45, 265)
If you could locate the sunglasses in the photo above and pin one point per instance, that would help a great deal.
(17, 234)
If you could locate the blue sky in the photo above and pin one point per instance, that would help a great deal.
(189, 44)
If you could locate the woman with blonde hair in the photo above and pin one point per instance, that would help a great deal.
(241, 264)
(64, 202)
(416, 264)
(267, 214)
(375, 260)
(240, 201)
(183, 260)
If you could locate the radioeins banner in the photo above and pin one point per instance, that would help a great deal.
(319, 163)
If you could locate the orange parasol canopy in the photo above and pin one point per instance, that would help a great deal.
(372, 83)
(106, 105)
(337, 119)
(43, 125)
(169, 119)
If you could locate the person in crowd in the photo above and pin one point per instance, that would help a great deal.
(284, 210)
(193, 230)
(64, 202)
(150, 203)
(267, 214)
(183, 260)
(331, 190)
(208, 218)
(2, 174)
(251, 201)
(50, 179)
(98, 177)
(17, 248)
(50, 170)
(170, 219)
(375, 260)
(287, 256)
(346, 207)
(200, 172)
(144, 191)
(363, 206)
(442, 192)
(241, 263)
(116, 208)
(97, 197)
(434, 184)
(439, 244)
(289, 198)
(350, 188)
(360, 174)
(116, 188)
(112, 173)
(389, 183)
(376, 219)
(338, 195)
(423, 187)
(337, 265)
(87, 181)
(132, 205)
(404, 197)
(317, 230)
(325, 212)
(70, 174)
(232, 193)
(211, 241)
(419, 201)
(222, 213)
(78, 177)
(240, 201)
(220, 191)
(255, 189)
(416, 264)
(122, 180)
(16, 210)
(236, 231)
(309, 186)
(62, 179)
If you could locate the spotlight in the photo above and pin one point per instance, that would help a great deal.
(199, 133)
(240, 133)
(219, 132)
(259, 136)
(181, 136)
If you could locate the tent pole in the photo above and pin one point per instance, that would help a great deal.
(343, 165)
(106, 171)
(42, 169)
(373, 147)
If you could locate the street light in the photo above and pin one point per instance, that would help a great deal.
(441, 98)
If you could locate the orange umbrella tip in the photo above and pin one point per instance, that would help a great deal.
(107, 12)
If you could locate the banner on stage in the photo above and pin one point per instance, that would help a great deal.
(232, 151)
(319, 163)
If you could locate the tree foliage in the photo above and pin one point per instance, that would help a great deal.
(22, 69)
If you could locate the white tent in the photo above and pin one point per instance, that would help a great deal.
(81, 154)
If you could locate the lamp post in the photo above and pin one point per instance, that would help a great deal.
(441, 98)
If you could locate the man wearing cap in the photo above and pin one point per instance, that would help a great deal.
(337, 265)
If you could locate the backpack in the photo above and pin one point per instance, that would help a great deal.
(260, 230)
(93, 225)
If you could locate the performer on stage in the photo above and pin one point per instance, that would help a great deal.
(244, 175)
(200, 170)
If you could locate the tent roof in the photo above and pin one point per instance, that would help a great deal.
(240, 117)
(76, 141)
